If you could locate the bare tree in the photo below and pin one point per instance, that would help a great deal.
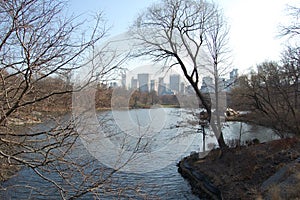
(273, 91)
(292, 29)
(271, 94)
(35, 45)
(174, 31)
(216, 40)
(291, 69)
(38, 45)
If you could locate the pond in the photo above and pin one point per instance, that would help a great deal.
(164, 136)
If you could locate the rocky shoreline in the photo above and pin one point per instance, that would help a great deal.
(201, 185)
(260, 171)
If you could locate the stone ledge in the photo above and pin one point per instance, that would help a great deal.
(201, 185)
(284, 184)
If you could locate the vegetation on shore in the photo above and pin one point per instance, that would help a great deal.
(240, 172)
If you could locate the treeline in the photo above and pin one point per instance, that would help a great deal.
(54, 94)
(272, 93)
(123, 98)
(22, 99)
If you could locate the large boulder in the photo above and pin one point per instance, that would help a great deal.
(284, 184)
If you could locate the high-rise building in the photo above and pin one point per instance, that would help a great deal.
(134, 83)
(152, 85)
(182, 88)
(232, 80)
(189, 90)
(161, 86)
(113, 84)
(174, 83)
(207, 84)
(143, 80)
(234, 74)
(123, 81)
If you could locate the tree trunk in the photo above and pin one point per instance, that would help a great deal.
(221, 142)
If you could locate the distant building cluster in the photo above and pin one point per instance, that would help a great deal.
(225, 85)
(144, 83)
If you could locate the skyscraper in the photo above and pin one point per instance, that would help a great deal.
(207, 84)
(234, 74)
(161, 86)
(143, 80)
(152, 85)
(134, 83)
(232, 80)
(123, 81)
(174, 83)
(182, 88)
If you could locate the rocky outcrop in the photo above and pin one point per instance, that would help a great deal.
(262, 171)
(284, 184)
(201, 185)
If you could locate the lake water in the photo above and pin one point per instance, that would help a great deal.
(164, 136)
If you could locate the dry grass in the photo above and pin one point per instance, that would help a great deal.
(275, 192)
(239, 172)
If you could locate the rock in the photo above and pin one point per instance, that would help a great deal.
(284, 184)
(200, 183)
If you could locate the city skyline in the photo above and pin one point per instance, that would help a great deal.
(172, 83)
(144, 83)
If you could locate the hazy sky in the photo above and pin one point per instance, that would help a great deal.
(254, 24)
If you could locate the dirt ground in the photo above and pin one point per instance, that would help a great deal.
(239, 172)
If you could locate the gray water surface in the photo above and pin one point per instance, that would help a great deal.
(162, 183)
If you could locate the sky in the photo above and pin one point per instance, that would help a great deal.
(254, 24)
